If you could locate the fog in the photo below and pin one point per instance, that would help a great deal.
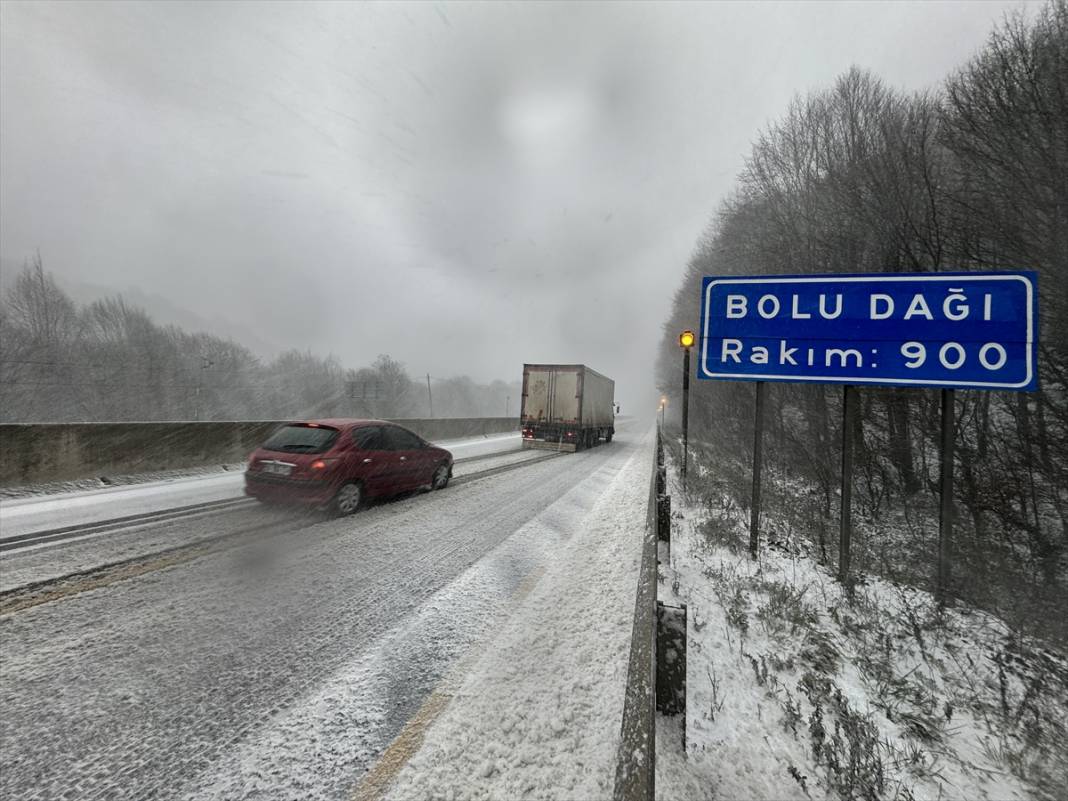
(463, 187)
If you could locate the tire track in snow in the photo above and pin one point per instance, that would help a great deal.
(65, 585)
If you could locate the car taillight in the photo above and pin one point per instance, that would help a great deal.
(322, 464)
(571, 433)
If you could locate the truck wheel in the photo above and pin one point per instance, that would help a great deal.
(608, 436)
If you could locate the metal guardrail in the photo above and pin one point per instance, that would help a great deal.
(636, 757)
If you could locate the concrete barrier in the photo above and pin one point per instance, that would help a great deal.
(41, 452)
(438, 429)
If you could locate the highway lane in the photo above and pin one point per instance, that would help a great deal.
(100, 542)
(280, 669)
(25, 515)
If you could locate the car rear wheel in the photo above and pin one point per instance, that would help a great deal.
(348, 498)
(441, 477)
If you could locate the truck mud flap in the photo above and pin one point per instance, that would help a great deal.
(541, 445)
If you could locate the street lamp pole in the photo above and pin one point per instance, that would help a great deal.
(686, 340)
(205, 363)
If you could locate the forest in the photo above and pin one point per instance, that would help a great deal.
(109, 361)
(862, 177)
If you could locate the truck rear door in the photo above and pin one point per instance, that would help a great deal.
(565, 395)
(536, 384)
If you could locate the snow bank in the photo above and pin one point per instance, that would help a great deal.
(538, 715)
(797, 691)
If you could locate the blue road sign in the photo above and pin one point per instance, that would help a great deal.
(963, 330)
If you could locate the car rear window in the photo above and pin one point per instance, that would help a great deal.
(301, 439)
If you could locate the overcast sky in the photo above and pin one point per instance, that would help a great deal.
(464, 187)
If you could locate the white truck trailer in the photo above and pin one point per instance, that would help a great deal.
(566, 407)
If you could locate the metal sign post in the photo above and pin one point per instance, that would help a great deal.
(685, 414)
(686, 340)
(758, 460)
(944, 330)
(946, 511)
(845, 534)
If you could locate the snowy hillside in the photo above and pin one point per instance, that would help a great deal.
(797, 691)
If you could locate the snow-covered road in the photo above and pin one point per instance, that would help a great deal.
(285, 668)
(26, 562)
(35, 513)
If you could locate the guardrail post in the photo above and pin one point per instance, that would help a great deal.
(663, 500)
(671, 659)
(663, 518)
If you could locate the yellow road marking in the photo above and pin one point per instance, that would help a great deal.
(410, 739)
(401, 749)
(527, 585)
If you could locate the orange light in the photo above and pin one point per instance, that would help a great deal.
(318, 464)
(686, 338)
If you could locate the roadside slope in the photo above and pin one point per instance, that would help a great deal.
(795, 689)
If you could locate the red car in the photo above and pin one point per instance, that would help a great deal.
(340, 463)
